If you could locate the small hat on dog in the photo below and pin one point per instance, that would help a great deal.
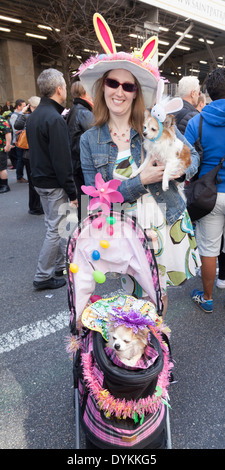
(137, 63)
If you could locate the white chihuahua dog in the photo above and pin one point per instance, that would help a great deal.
(129, 347)
(167, 150)
(160, 141)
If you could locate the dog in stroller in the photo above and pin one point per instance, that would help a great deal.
(120, 405)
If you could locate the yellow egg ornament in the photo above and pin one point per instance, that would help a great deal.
(104, 243)
(74, 268)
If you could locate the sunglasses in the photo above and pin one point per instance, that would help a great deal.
(129, 87)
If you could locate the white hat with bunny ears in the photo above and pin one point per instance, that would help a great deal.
(137, 63)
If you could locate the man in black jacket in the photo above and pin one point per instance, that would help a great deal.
(189, 91)
(51, 170)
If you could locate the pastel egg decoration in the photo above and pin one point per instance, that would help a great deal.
(104, 243)
(99, 277)
(96, 255)
(111, 220)
(95, 298)
(74, 268)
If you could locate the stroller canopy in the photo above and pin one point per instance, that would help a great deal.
(121, 247)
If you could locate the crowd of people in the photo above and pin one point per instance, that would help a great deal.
(102, 133)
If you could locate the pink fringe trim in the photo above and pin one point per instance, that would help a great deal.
(121, 408)
(73, 344)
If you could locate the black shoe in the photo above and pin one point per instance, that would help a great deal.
(51, 283)
(36, 212)
(4, 189)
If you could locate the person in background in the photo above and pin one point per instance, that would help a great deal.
(35, 207)
(8, 107)
(51, 172)
(211, 228)
(189, 91)
(79, 119)
(19, 105)
(201, 102)
(5, 145)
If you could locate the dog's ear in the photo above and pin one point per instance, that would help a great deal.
(143, 335)
(169, 121)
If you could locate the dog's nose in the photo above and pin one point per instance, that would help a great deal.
(117, 346)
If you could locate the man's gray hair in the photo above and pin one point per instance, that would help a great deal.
(49, 80)
(188, 84)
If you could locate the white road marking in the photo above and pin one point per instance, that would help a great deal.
(33, 331)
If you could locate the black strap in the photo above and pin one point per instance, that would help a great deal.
(200, 127)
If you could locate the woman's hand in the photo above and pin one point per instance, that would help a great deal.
(152, 173)
(26, 109)
(7, 148)
(74, 203)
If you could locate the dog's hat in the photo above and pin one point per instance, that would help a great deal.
(137, 63)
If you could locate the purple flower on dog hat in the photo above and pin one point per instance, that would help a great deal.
(132, 319)
(137, 63)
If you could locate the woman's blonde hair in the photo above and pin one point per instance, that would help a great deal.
(101, 112)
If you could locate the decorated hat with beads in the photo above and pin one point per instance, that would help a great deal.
(137, 63)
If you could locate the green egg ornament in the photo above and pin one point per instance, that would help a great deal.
(111, 220)
(99, 277)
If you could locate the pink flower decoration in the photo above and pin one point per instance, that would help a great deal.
(104, 194)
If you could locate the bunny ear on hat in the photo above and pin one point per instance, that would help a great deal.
(149, 48)
(104, 34)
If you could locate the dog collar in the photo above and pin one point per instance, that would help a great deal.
(160, 131)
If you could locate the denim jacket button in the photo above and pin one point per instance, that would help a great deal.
(157, 193)
(133, 146)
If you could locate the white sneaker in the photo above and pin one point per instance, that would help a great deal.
(220, 283)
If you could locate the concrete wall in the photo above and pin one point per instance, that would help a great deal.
(17, 78)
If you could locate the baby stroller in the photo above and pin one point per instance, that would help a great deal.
(119, 406)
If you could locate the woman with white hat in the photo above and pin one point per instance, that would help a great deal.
(123, 85)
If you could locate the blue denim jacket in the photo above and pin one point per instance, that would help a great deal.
(98, 154)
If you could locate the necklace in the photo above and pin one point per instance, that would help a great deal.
(122, 137)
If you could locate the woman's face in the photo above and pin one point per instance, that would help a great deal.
(118, 101)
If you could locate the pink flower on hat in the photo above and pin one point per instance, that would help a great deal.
(103, 194)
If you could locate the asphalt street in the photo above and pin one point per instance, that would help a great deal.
(37, 400)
